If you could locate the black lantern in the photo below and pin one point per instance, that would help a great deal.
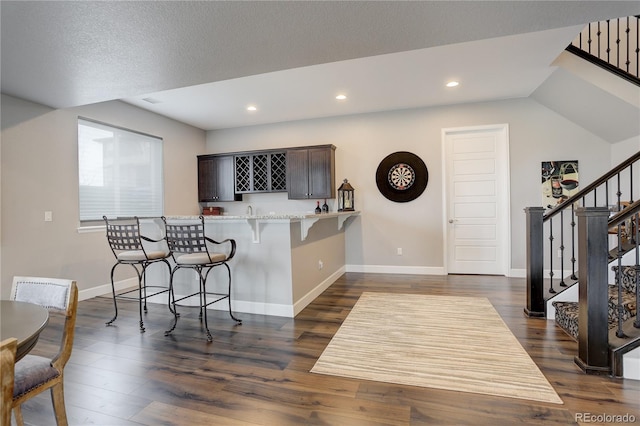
(345, 197)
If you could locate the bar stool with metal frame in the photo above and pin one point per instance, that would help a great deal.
(192, 249)
(126, 243)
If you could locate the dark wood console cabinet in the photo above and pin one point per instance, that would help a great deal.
(311, 172)
(215, 179)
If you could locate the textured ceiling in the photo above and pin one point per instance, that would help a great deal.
(69, 53)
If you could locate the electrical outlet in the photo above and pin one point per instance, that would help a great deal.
(320, 264)
(399, 252)
(559, 253)
(48, 216)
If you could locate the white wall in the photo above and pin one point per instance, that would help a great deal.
(624, 149)
(536, 134)
(39, 173)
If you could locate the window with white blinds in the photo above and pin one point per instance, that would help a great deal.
(119, 172)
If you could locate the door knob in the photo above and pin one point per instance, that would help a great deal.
(451, 220)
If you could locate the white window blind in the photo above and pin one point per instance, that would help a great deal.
(119, 171)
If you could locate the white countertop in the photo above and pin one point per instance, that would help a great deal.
(307, 220)
(274, 216)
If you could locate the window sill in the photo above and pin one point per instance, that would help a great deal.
(87, 229)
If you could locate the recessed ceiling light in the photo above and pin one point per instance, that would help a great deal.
(252, 108)
(452, 84)
(341, 97)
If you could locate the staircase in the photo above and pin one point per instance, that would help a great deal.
(591, 287)
(566, 315)
(589, 237)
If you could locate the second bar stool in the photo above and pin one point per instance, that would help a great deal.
(192, 249)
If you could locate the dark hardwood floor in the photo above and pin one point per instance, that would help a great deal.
(258, 373)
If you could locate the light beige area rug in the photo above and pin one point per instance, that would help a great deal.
(444, 342)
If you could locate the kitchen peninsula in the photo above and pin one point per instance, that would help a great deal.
(282, 262)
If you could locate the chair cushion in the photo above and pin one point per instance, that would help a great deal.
(200, 258)
(32, 371)
(138, 255)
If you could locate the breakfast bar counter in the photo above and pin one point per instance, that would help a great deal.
(306, 220)
(282, 262)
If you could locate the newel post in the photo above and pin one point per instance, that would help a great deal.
(593, 330)
(535, 262)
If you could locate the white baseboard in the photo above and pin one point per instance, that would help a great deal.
(105, 289)
(391, 269)
(309, 297)
(417, 270)
(517, 273)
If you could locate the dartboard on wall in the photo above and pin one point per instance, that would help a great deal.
(402, 177)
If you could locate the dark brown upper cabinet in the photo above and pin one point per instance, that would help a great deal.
(215, 179)
(311, 172)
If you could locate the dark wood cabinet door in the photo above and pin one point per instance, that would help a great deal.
(207, 179)
(321, 172)
(298, 174)
(224, 179)
(311, 173)
(215, 179)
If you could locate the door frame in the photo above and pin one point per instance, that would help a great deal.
(504, 192)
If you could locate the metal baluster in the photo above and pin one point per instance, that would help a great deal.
(562, 283)
(637, 46)
(580, 40)
(619, 193)
(631, 183)
(618, 44)
(573, 243)
(551, 290)
(631, 234)
(598, 37)
(608, 42)
(627, 62)
(619, 306)
(589, 40)
(636, 221)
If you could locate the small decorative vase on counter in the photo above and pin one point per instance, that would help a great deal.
(318, 210)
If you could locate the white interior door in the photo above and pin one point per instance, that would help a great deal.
(477, 200)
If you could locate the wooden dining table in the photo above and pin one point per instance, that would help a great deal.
(24, 321)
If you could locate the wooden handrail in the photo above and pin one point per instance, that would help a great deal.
(603, 64)
(626, 213)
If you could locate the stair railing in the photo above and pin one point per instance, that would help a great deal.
(613, 44)
(558, 227)
(600, 349)
(627, 232)
(626, 336)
